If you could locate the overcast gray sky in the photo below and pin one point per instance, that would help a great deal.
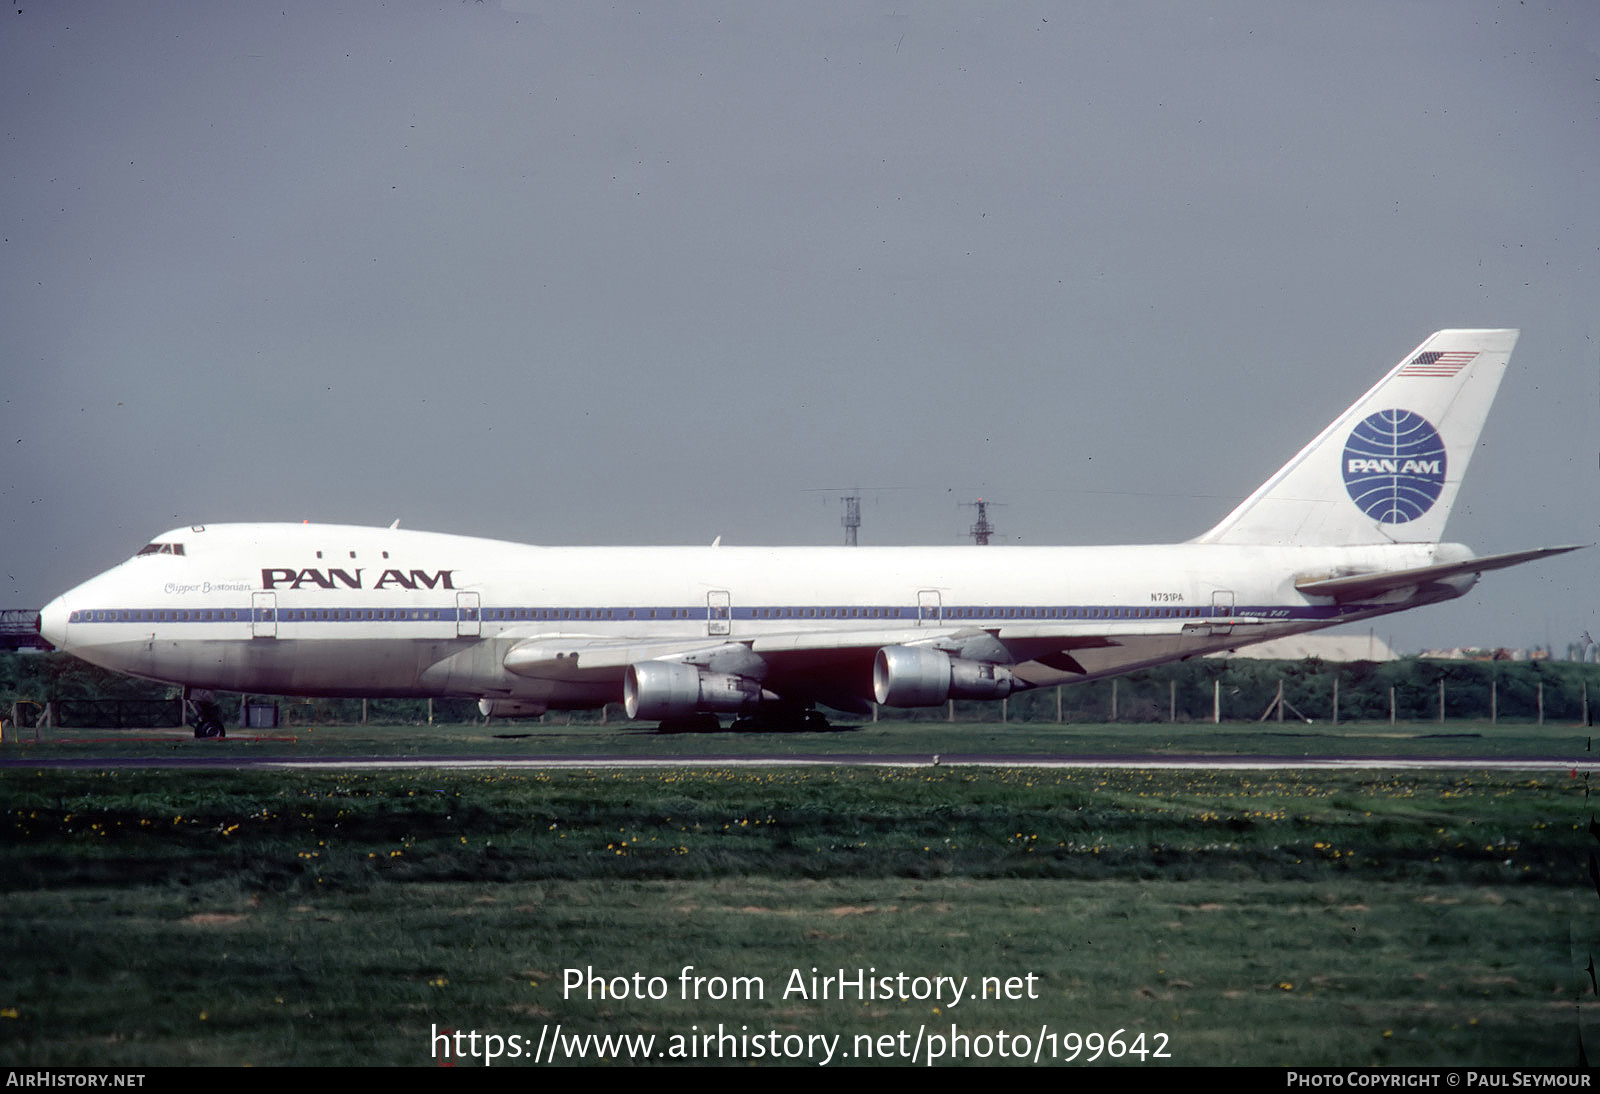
(577, 273)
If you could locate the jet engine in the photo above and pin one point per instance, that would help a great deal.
(916, 676)
(671, 689)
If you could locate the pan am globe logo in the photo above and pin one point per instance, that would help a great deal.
(1394, 466)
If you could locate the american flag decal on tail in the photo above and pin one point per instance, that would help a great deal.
(1444, 363)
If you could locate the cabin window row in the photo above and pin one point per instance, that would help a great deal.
(342, 615)
(246, 615)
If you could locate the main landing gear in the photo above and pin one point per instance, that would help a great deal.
(765, 718)
(781, 718)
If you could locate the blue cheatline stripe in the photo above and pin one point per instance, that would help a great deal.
(985, 615)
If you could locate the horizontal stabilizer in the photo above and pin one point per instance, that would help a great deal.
(1360, 587)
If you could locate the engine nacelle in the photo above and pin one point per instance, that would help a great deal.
(511, 708)
(669, 689)
(916, 676)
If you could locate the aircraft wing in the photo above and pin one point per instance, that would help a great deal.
(561, 655)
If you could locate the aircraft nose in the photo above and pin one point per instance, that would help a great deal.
(53, 622)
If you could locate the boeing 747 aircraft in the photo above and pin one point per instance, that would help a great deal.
(1347, 530)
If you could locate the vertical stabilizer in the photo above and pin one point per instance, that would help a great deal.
(1387, 470)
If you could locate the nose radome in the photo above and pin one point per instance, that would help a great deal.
(53, 622)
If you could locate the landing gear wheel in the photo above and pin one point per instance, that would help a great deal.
(781, 718)
(201, 705)
(815, 721)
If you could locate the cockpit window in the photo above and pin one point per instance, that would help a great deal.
(161, 549)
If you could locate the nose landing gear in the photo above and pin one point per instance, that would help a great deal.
(204, 714)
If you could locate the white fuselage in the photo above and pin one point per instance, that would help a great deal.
(347, 611)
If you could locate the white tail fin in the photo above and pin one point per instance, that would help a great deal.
(1387, 470)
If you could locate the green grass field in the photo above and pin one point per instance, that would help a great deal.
(1259, 917)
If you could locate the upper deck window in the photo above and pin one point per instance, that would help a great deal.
(161, 549)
